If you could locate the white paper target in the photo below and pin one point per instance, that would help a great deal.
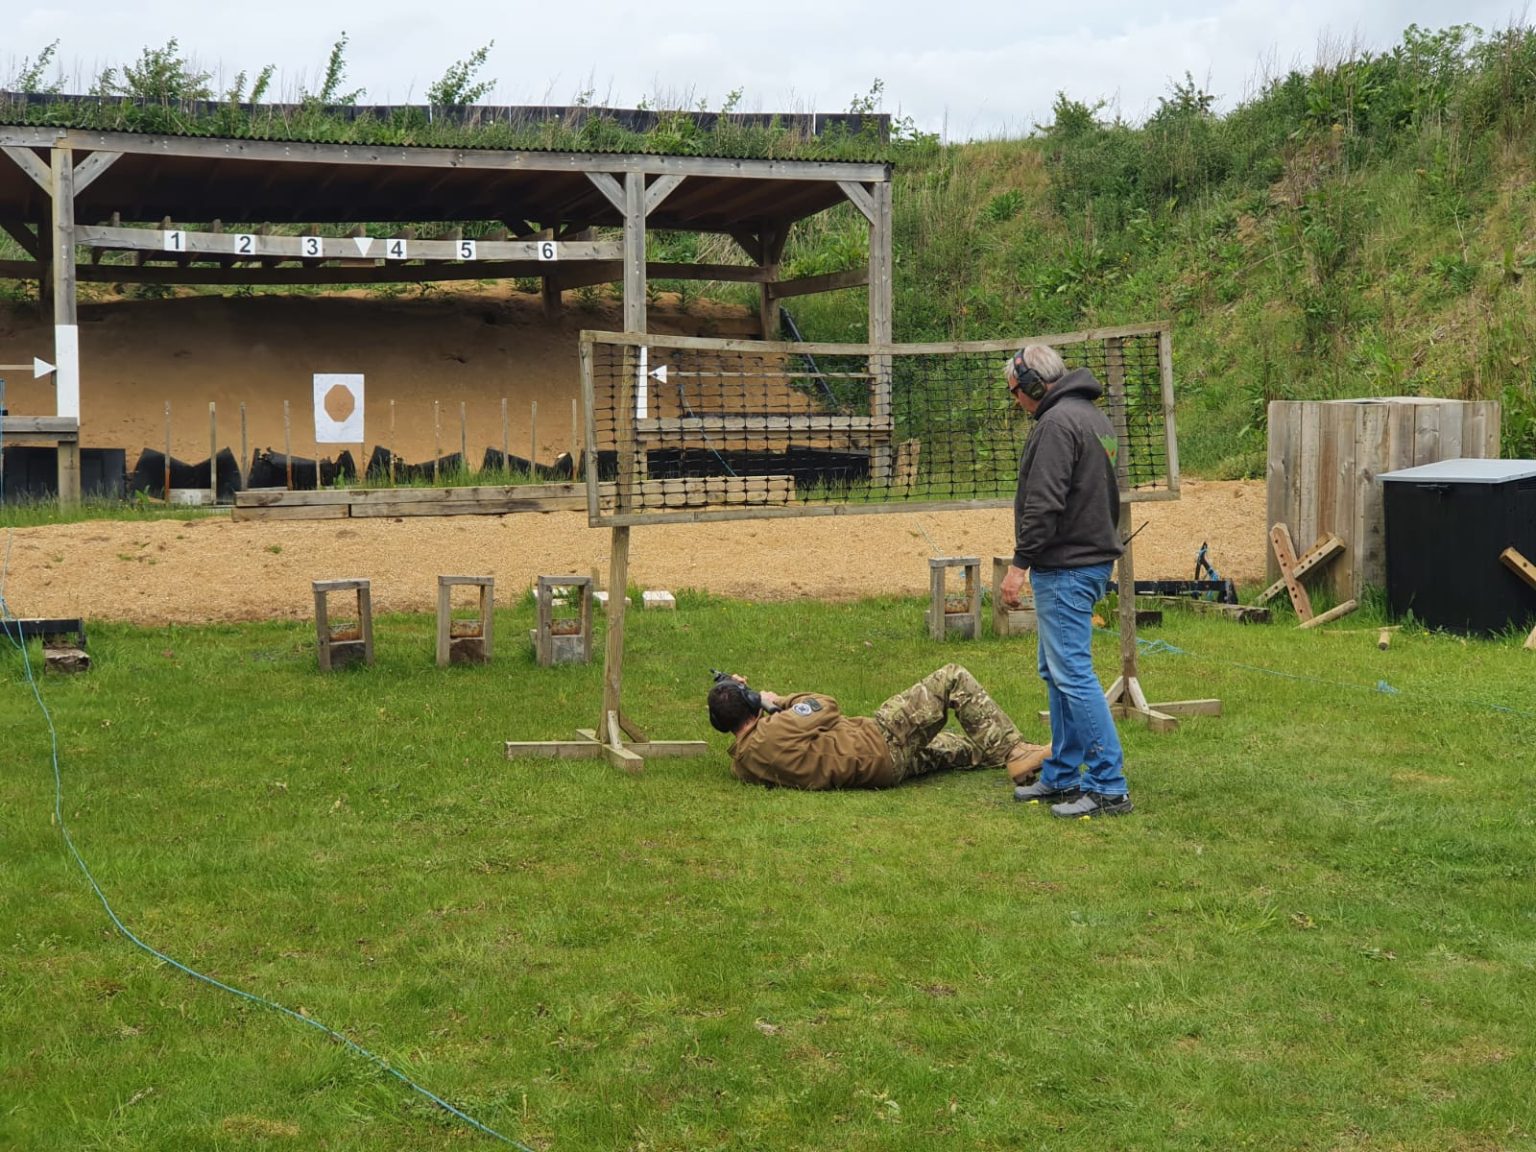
(338, 408)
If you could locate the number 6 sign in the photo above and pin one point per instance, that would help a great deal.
(549, 250)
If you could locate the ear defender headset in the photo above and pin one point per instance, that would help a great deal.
(1026, 379)
(739, 692)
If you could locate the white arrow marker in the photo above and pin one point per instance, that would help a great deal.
(660, 373)
(363, 244)
(39, 366)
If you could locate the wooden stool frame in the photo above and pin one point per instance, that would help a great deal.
(547, 647)
(469, 649)
(334, 653)
(1010, 621)
(943, 623)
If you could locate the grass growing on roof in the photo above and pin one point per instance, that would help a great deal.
(1316, 931)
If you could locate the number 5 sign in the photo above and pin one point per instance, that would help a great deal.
(549, 250)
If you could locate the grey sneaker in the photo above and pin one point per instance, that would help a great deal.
(1042, 793)
(1090, 804)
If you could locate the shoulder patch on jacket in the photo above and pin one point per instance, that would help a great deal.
(1111, 445)
(806, 707)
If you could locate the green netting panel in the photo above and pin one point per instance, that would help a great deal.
(693, 429)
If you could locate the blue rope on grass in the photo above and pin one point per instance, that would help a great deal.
(58, 817)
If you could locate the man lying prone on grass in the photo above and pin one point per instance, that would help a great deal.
(805, 741)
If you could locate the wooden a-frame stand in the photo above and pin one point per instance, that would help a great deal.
(608, 738)
(1125, 696)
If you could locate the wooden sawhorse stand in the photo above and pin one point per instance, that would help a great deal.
(1125, 697)
(608, 739)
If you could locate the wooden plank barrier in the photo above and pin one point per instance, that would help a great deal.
(1325, 458)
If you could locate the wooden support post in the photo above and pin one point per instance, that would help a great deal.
(167, 492)
(575, 439)
(1125, 696)
(213, 453)
(506, 438)
(394, 444)
(533, 437)
(287, 447)
(881, 295)
(437, 437)
(245, 446)
(463, 436)
(66, 331)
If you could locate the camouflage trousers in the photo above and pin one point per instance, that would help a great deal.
(913, 724)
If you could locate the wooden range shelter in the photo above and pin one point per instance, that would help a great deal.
(68, 196)
(68, 191)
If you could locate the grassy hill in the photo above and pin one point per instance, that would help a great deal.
(1362, 228)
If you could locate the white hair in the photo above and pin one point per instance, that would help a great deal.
(1045, 362)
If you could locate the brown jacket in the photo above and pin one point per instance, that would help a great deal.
(810, 744)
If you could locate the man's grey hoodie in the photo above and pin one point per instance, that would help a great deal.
(1068, 502)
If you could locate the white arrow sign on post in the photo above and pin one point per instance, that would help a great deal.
(39, 366)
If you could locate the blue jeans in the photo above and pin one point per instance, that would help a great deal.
(1082, 730)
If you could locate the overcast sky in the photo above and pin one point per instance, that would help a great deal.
(967, 68)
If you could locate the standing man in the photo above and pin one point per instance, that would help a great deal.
(1067, 539)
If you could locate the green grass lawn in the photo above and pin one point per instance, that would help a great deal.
(1318, 931)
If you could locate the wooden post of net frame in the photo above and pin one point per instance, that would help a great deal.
(61, 175)
(1125, 696)
(613, 722)
(634, 200)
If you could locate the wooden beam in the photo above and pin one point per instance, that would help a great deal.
(406, 156)
(29, 240)
(236, 275)
(685, 426)
(592, 749)
(611, 189)
(660, 189)
(91, 167)
(1333, 613)
(27, 160)
(721, 344)
(39, 430)
(829, 282)
(66, 332)
(1285, 556)
(1519, 565)
(860, 197)
(252, 246)
(749, 242)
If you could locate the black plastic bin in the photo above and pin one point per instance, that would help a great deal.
(1446, 525)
